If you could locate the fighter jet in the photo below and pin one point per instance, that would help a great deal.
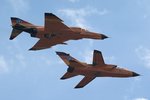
(97, 69)
(52, 33)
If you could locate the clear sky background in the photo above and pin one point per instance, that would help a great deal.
(35, 75)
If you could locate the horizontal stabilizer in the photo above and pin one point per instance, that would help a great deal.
(15, 20)
(14, 33)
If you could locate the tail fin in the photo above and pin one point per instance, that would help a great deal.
(70, 61)
(18, 25)
(15, 21)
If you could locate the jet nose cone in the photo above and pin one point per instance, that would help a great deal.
(104, 36)
(135, 74)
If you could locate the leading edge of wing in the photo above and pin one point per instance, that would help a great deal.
(68, 75)
(52, 16)
(39, 45)
(86, 80)
(43, 44)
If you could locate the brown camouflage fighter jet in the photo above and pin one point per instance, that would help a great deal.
(52, 33)
(91, 71)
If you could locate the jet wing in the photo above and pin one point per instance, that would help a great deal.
(68, 75)
(98, 58)
(53, 24)
(85, 81)
(46, 43)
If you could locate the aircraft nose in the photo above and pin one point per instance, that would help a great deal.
(104, 36)
(135, 74)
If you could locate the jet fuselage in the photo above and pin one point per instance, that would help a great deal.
(53, 32)
(102, 71)
(75, 34)
(90, 71)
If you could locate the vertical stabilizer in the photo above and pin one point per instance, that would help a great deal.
(18, 26)
(15, 21)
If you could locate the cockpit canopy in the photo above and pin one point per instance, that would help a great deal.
(78, 29)
(85, 30)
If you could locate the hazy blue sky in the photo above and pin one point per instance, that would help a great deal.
(29, 75)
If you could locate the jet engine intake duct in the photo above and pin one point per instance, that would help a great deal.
(70, 69)
(33, 32)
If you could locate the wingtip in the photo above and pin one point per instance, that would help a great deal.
(78, 87)
(11, 38)
(97, 51)
(61, 53)
(13, 18)
(49, 14)
(58, 53)
(62, 78)
(52, 15)
(32, 49)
